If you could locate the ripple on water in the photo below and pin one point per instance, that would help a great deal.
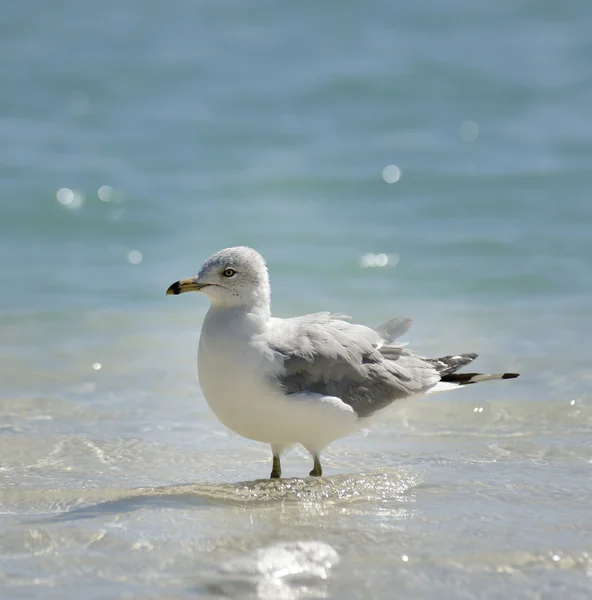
(386, 485)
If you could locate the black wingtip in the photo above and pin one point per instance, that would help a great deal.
(510, 375)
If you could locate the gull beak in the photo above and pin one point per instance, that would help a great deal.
(185, 285)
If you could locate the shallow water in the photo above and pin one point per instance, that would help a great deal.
(274, 125)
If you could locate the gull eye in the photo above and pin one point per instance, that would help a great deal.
(228, 272)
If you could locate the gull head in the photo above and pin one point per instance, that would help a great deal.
(232, 278)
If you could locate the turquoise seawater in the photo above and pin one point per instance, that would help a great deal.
(452, 140)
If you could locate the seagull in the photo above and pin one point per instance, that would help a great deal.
(305, 380)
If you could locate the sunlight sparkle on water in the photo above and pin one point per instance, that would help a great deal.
(135, 257)
(391, 173)
(378, 260)
(105, 193)
(65, 196)
(70, 198)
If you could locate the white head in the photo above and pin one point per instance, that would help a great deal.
(232, 278)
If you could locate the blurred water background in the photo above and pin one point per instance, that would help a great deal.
(426, 158)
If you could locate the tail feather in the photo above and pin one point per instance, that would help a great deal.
(448, 366)
(468, 378)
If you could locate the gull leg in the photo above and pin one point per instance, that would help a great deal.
(276, 469)
(317, 470)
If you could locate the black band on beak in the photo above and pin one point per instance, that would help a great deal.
(174, 289)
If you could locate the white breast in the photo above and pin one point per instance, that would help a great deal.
(233, 378)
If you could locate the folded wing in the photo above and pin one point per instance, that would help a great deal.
(325, 354)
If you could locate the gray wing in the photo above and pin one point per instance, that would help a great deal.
(324, 354)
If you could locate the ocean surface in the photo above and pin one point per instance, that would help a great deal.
(430, 159)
